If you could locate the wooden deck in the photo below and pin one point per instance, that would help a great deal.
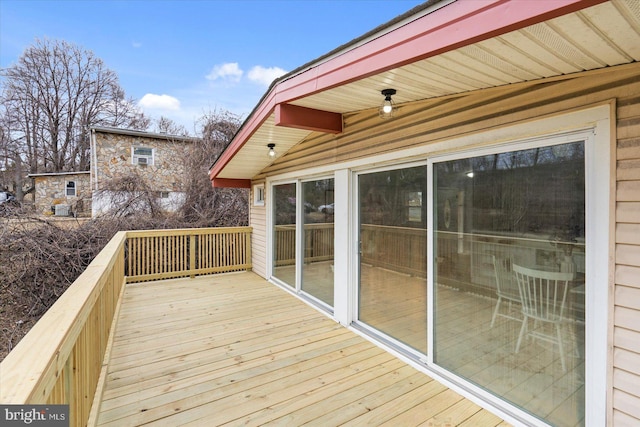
(235, 350)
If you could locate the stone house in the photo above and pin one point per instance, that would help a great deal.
(63, 193)
(157, 159)
(153, 160)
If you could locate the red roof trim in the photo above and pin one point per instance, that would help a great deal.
(458, 24)
(230, 183)
(260, 114)
(308, 118)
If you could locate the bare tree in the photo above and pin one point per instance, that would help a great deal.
(130, 195)
(51, 97)
(204, 204)
(5, 164)
(168, 126)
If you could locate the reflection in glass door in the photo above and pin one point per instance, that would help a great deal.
(392, 292)
(284, 233)
(509, 295)
(317, 268)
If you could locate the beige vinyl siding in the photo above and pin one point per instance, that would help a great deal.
(626, 339)
(426, 122)
(258, 220)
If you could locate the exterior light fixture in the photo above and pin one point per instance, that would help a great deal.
(469, 174)
(388, 107)
(272, 152)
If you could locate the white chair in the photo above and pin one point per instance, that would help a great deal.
(544, 297)
(506, 288)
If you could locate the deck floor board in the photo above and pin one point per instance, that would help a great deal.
(235, 350)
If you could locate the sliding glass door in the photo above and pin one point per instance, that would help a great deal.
(473, 263)
(284, 233)
(392, 287)
(317, 267)
(509, 279)
(303, 237)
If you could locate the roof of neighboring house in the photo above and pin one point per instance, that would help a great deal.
(140, 133)
(33, 175)
(434, 51)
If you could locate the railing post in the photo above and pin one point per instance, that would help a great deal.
(69, 388)
(249, 264)
(192, 254)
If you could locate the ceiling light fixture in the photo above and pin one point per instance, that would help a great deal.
(272, 152)
(388, 107)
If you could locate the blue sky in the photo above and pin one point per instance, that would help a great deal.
(180, 59)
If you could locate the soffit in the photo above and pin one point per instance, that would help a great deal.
(600, 36)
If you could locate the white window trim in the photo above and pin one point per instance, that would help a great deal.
(258, 195)
(75, 188)
(135, 157)
(595, 370)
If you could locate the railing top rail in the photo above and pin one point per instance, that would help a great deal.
(475, 235)
(32, 366)
(319, 225)
(395, 229)
(187, 231)
(503, 237)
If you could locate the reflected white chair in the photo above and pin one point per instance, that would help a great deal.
(506, 288)
(544, 297)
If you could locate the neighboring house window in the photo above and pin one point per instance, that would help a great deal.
(71, 189)
(164, 194)
(258, 195)
(142, 156)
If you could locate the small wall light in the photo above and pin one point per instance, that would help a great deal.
(272, 152)
(388, 107)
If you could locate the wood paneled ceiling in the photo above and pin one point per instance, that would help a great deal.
(598, 36)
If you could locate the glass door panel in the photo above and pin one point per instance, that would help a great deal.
(509, 256)
(317, 268)
(392, 288)
(284, 233)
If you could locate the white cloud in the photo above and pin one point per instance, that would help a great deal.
(229, 71)
(159, 102)
(265, 76)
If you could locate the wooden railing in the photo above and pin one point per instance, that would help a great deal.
(400, 249)
(318, 243)
(60, 360)
(285, 245)
(162, 254)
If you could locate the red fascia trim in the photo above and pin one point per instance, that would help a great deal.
(230, 183)
(262, 112)
(458, 24)
(308, 118)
